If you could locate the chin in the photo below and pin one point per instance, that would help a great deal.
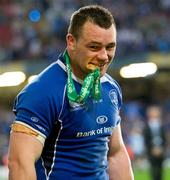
(102, 73)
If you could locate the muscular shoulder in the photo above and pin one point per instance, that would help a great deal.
(39, 103)
(49, 81)
(108, 79)
(45, 91)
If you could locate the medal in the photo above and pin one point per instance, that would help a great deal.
(91, 84)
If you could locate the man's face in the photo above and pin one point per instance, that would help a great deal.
(95, 48)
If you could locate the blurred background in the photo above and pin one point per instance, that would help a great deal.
(32, 35)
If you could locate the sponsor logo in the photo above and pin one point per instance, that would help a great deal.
(34, 119)
(40, 127)
(113, 97)
(101, 119)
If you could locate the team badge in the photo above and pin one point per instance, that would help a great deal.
(101, 119)
(113, 97)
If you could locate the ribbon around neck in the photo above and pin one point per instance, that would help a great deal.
(91, 85)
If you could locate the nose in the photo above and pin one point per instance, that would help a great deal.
(102, 54)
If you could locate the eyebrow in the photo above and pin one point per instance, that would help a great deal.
(98, 43)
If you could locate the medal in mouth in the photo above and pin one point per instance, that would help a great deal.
(91, 84)
(92, 66)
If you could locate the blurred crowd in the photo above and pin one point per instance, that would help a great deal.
(6, 118)
(36, 29)
(136, 117)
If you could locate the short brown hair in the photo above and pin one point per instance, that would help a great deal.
(93, 13)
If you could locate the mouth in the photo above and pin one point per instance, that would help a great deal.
(93, 66)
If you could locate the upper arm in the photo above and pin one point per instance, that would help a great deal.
(116, 142)
(118, 157)
(24, 148)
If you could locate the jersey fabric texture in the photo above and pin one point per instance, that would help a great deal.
(76, 135)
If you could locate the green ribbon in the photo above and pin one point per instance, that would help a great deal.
(91, 84)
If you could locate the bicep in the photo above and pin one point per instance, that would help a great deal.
(116, 141)
(118, 157)
(24, 147)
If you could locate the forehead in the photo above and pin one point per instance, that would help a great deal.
(92, 32)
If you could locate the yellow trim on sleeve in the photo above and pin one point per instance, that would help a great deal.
(16, 127)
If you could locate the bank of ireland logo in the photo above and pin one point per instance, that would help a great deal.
(113, 97)
(101, 119)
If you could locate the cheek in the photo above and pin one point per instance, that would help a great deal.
(86, 57)
(112, 53)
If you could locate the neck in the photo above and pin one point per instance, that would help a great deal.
(74, 67)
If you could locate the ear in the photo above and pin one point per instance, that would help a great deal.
(71, 41)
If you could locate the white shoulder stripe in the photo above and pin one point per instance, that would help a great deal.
(61, 64)
(107, 78)
(104, 79)
(63, 99)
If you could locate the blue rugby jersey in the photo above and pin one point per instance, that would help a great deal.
(77, 135)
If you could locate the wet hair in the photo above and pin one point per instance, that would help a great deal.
(93, 13)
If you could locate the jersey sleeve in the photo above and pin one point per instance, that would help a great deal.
(35, 109)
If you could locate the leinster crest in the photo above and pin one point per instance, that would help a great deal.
(113, 97)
